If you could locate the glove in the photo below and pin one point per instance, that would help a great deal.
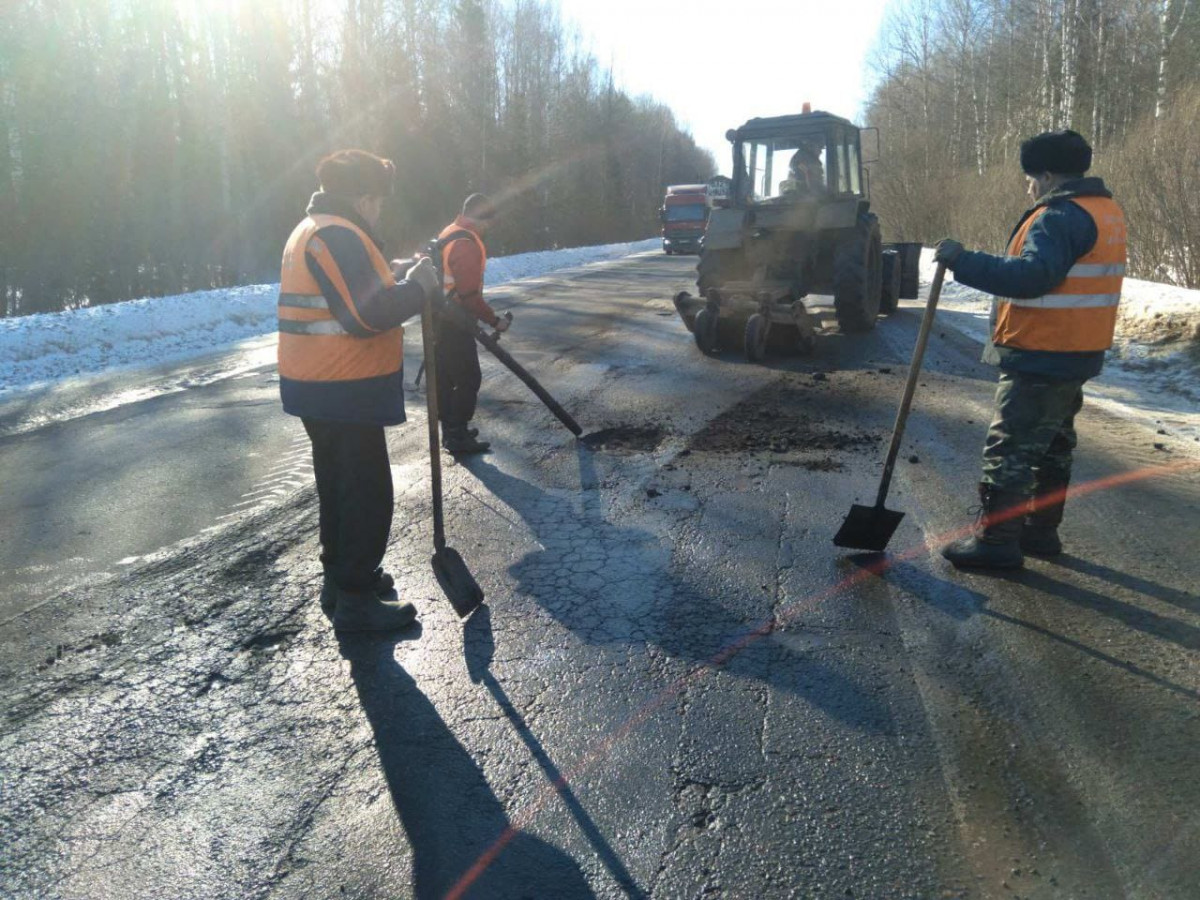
(947, 251)
(502, 325)
(424, 274)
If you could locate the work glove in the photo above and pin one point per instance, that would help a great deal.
(947, 251)
(424, 274)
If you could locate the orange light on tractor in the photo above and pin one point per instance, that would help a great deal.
(806, 108)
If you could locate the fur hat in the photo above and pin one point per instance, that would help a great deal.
(1058, 152)
(356, 173)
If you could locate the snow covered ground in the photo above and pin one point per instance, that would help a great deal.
(1153, 373)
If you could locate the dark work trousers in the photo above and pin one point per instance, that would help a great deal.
(354, 486)
(1030, 443)
(458, 375)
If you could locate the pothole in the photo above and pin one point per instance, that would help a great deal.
(626, 438)
(773, 420)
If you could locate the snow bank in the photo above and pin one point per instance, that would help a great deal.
(52, 346)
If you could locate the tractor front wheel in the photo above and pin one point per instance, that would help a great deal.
(755, 343)
(704, 329)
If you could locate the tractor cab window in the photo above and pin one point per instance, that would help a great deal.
(783, 169)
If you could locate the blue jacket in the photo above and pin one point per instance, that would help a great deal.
(1055, 241)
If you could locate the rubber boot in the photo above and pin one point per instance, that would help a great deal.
(371, 611)
(460, 442)
(1040, 535)
(996, 543)
(383, 584)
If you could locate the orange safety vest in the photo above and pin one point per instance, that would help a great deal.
(447, 275)
(318, 357)
(1080, 315)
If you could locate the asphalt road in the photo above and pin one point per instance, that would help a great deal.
(678, 687)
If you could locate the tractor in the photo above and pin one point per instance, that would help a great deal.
(797, 221)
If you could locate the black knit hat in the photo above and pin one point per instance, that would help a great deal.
(1058, 152)
(356, 173)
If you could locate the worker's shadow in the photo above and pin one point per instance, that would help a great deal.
(614, 585)
(961, 603)
(459, 832)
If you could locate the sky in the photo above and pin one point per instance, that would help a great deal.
(717, 64)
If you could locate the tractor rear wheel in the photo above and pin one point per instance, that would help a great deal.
(858, 276)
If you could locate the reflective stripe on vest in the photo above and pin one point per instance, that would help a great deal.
(448, 276)
(1080, 314)
(313, 344)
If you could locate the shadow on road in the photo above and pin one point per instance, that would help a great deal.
(961, 603)
(1130, 582)
(453, 820)
(614, 585)
(479, 648)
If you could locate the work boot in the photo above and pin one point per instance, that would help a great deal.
(372, 611)
(1040, 535)
(460, 442)
(383, 584)
(996, 543)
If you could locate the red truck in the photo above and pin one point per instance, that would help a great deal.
(684, 214)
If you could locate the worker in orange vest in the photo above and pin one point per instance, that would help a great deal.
(1056, 294)
(464, 259)
(341, 359)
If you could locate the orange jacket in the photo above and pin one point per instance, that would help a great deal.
(341, 350)
(1080, 314)
(463, 263)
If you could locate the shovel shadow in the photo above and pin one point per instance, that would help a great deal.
(454, 822)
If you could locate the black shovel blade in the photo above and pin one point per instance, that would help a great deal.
(458, 584)
(868, 528)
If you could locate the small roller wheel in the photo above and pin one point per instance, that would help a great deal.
(757, 327)
(704, 329)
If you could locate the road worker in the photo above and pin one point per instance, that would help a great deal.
(464, 258)
(341, 358)
(1057, 288)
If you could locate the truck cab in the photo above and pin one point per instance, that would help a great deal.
(684, 214)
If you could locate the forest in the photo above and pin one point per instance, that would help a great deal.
(960, 83)
(154, 147)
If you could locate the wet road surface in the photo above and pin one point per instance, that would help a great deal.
(678, 688)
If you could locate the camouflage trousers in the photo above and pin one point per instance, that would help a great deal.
(1029, 444)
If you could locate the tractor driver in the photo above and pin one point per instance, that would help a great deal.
(806, 175)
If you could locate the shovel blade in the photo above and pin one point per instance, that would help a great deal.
(868, 528)
(458, 584)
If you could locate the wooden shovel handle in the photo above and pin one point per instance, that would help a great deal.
(914, 371)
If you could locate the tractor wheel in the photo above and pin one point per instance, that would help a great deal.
(858, 276)
(717, 267)
(705, 331)
(755, 343)
(889, 300)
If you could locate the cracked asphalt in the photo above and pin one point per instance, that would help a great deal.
(678, 687)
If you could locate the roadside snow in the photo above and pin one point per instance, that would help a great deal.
(173, 343)
(138, 334)
(1152, 373)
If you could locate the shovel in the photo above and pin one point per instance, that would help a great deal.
(871, 527)
(458, 584)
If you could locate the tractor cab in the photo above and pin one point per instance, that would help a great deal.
(789, 158)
